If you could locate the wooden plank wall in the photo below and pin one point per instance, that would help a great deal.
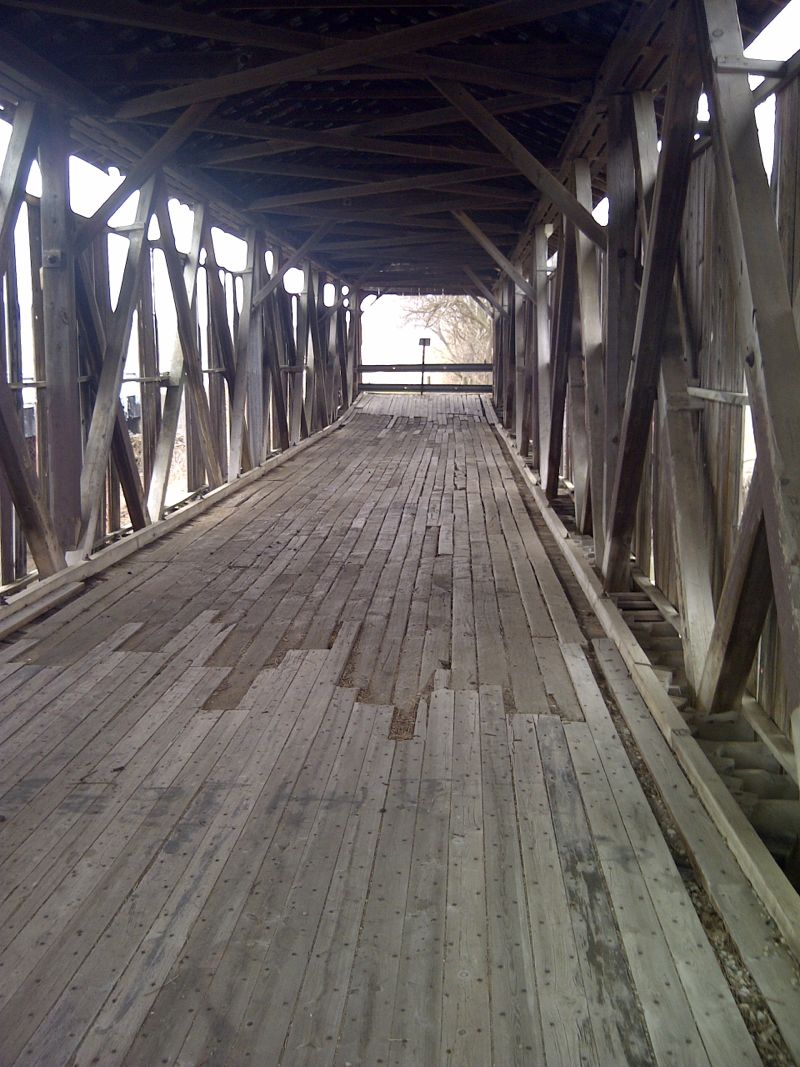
(713, 347)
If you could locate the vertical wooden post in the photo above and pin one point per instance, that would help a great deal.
(542, 345)
(593, 349)
(621, 294)
(60, 400)
(562, 333)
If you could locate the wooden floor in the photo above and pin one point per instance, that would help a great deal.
(213, 851)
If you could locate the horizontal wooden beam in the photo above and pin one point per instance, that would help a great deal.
(378, 188)
(427, 34)
(346, 142)
(417, 368)
(415, 388)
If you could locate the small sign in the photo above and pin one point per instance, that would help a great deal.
(424, 341)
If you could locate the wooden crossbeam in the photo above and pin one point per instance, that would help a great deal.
(764, 314)
(488, 245)
(243, 354)
(427, 34)
(177, 377)
(487, 292)
(380, 187)
(121, 446)
(654, 303)
(152, 160)
(684, 475)
(291, 261)
(101, 429)
(20, 154)
(347, 142)
(527, 164)
(187, 335)
(438, 116)
(23, 485)
(741, 612)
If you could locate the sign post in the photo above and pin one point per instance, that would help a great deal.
(424, 342)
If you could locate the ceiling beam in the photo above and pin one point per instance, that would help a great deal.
(376, 188)
(489, 246)
(408, 39)
(527, 164)
(343, 142)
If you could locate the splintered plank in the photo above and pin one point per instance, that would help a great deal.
(466, 1026)
(516, 1027)
(619, 1031)
(416, 1025)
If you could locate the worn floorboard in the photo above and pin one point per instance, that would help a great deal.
(324, 778)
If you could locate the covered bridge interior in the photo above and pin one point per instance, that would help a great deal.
(343, 726)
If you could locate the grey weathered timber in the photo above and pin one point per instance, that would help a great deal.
(61, 397)
(25, 490)
(291, 261)
(523, 160)
(543, 382)
(659, 270)
(502, 261)
(593, 354)
(621, 295)
(187, 333)
(150, 163)
(243, 356)
(564, 335)
(380, 46)
(377, 188)
(20, 154)
(101, 429)
(93, 333)
(741, 611)
(764, 311)
(178, 374)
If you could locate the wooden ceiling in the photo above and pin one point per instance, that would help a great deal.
(293, 115)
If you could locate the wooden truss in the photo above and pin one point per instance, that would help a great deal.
(608, 344)
(233, 381)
